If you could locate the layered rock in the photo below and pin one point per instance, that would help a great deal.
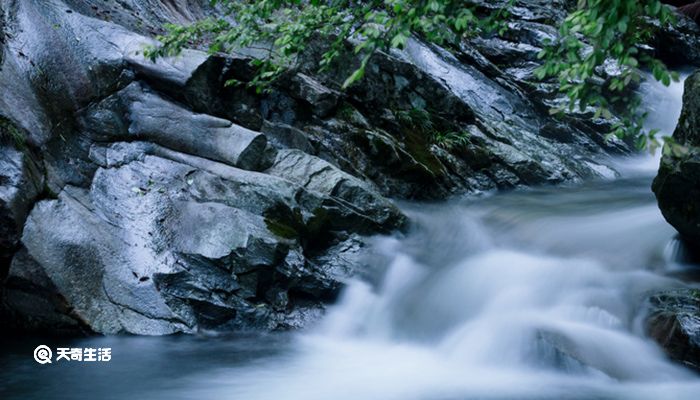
(21, 182)
(153, 218)
(152, 198)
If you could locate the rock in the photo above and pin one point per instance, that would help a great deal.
(677, 185)
(674, 322)
(144, 16)
(21, 182)
(136, 113)
(321, 99)
(32, 303)
(679, 45)
(153, 198)
(364, 211)
(166, 242)
(287, 137)
(458, 98)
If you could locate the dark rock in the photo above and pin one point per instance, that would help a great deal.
(33, 303)
(287, 137)
(674, 322)
(679, 45)
(321, 99)
(677, 185)
(21, 182)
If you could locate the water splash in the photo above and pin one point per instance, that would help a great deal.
(547, 303)
(663, 104)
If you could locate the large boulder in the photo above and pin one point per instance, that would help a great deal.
(164, 242)
(677, 185)
(674, 321)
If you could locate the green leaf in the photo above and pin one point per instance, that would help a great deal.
(356, 76)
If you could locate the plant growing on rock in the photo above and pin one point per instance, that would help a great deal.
(282, 29)
(9, 132)
(597, 36)
(451, 140)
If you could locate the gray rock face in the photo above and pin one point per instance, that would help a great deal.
(151, 198)
(134, 113)
(164, 242)
(677, 185)
(157, 218)
(21, 181)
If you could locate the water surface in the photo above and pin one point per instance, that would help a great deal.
(534, 294)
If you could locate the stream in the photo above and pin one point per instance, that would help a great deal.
(532, 294)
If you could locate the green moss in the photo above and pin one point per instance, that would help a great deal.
(8, 131)
(419, 148)
(345, 112)
(419, 130)
(695, 293)
(318, 222)
(284, 222)
(416, 118)
(281, 229)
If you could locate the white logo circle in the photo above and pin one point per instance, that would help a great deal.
(43, 354)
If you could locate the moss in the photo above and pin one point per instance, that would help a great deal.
(318, 223)
(8, 131)
(281, 229)
(345, 112)
(419, 130)
(285, 222)
(695, 293)
(416, 118)
(419, 148)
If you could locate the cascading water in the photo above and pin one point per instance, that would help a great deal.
(537, 294)
(663, 105)
(528, 295)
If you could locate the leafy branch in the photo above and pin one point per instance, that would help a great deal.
(605, 39)
(596, 60)
(286, 27)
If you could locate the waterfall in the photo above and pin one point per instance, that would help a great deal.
(533, 294)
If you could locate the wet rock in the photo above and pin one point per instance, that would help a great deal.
(166, 242)
(364, 212)
(143, 16)
(674, 322)
(21, 182)
(153, 198)
(285, 136)
(138, 114)
(32, 303)
(321, 99)
(679, 45)
(677, 185)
